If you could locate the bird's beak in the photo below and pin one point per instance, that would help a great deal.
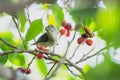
(46, 28)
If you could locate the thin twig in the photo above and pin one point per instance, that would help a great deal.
(55, 70)
(51, 69)
(69, 44)
(72, 71)
(17, 26)
(74, 36)
(90, 51)
(76, 49)
(74, 52)
(50, 62)
(75, 66)
(8, 44)
(28, 15)
(30, 63)
(85, 55)
(51, 59)
(93, 54)
(19, 51)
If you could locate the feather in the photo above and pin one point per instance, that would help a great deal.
(42, 38)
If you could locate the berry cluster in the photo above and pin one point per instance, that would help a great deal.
(24, 70)
(66, 28)
(86, 37)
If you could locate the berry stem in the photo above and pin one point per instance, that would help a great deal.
(74, 52)
(30, 63)
(85, 56)
(76, 49)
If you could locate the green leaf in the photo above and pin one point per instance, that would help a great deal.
(63, 74)
(35, 28)
(85, 17)
(93, 25)
(8, 37)
(58, 14)
(41, 67)
(87, 20)
(108, 26)
(3, 59)
(75, 17)
(17, 59)
(85, 12)
(107, 70)
(86, 68)
(22, 19)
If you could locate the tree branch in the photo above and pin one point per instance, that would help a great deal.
(59, 62)
(64, 61)
(8, 44)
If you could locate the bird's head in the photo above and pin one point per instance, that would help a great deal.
(50, 28)
(52, 31)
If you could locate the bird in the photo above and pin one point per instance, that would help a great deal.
(50, 38)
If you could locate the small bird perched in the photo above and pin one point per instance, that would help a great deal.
(49, 38)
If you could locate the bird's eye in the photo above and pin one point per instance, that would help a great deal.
(52, 25)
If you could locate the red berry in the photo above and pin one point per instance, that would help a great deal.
(89, 42)
(68, 33)
(62, 31)
(21, 70)
(68, 26)
(64, 23)
(80, 40)
(28, 71)
(41, 47)
(39, 55)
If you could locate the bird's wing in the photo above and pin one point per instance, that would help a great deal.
(43, 38)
